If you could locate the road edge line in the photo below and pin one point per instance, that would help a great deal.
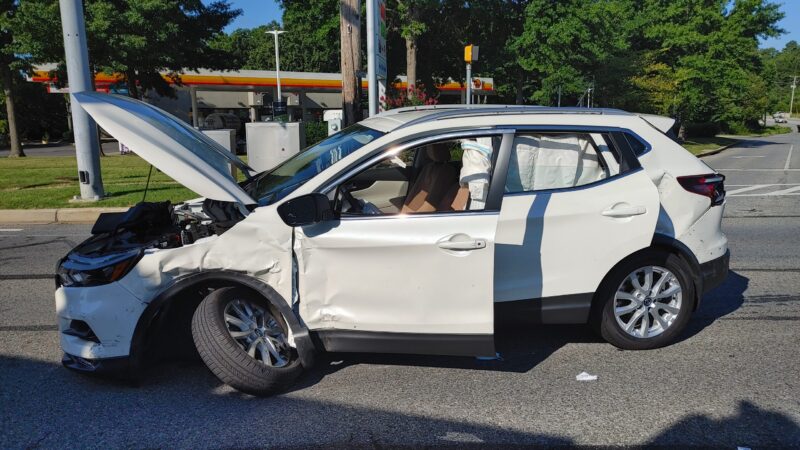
(719, 150)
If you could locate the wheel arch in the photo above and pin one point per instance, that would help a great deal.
(184, 295)
(663, 243)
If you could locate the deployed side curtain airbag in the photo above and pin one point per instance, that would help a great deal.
(554, 161)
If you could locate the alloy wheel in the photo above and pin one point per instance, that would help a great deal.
(257, 332)
(648, 301)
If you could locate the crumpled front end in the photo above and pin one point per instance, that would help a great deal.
(98, 322)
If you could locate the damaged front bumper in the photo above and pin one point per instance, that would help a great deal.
(120, 368)
(98, 322)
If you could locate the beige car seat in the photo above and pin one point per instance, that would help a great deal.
(434, 182)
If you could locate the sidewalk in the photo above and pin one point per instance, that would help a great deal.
(60, 215)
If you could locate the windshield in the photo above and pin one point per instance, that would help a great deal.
(269, 187)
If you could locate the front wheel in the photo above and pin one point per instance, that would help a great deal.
(647, 301)
(243, 341)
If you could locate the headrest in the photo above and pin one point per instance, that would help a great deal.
(438, 153)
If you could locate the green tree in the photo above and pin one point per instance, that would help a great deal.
(250, 48)
(10, 63)
(138, 39)
(703, 55)
(564, 43)
(311, 42)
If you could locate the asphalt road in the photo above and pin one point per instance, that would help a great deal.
(733, 380)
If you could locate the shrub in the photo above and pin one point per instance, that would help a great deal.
(315, 132)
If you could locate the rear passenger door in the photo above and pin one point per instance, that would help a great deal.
(575, 204)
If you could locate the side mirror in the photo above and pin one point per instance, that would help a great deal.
(306, 210)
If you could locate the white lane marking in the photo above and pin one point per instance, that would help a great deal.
(773, 184)
(765, 195)
(10, 230)
(757, 170)
(788, 158)
(785, 191)
(751, 188)
(751, 156)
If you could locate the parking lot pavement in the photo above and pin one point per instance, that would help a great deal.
(731, 380)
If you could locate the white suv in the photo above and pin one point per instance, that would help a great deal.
(406, 233)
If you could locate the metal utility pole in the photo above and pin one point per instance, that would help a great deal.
(87, 147)
(350, 28)
(277, 61)
(372, 78)
(470, 55)
(791, 102)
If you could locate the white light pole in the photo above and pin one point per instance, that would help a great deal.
(87, 148)
(791, 102)
(277, 61)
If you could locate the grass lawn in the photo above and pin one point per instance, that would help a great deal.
(772, 130)
(51, 182)
(704, 144)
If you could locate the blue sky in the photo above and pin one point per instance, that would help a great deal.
(258, 12)
(790, 23)
(254, 13)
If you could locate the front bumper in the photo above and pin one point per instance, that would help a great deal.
(715, 271)
(121, 367)
(98, 322)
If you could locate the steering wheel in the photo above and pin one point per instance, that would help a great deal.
(355, 205)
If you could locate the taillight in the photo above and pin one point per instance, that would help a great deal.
(710, 185)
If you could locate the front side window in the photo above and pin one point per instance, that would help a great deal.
(269, 187)
(542, 161)
(446, 176)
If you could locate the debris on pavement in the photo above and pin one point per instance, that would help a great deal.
(585, 376)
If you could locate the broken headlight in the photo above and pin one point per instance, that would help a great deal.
(78, 271)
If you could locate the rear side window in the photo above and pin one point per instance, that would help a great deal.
(637, 146)
(543, 161)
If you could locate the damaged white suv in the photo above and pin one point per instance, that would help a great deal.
(405, 233)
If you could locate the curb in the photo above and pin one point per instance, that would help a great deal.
(60, 215)
(719, 150)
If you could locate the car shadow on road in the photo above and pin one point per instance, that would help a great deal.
(520, 346)
(47, 406)
(717, 303)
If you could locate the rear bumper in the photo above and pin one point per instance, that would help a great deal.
(715, 271)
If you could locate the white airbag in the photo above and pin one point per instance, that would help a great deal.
(551, 162)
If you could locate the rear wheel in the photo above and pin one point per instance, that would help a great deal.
(242, 339)
(647, 301)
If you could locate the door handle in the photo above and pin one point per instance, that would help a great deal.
(625, 211)
(468, 244)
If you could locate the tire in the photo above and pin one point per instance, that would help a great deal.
(619, 286)
(226, 357)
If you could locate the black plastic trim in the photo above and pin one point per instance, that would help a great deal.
(561, 309)
(715, 271)
(108, 367)
(305, 346)
(353, 341)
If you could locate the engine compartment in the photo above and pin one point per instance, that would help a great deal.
(158, 225)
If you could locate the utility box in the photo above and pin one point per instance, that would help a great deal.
(255, 99)
(225, 138)
(271, 143)
(334, 118)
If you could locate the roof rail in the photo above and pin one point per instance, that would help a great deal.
(456, 111)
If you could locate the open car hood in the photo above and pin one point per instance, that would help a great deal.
(186, 155)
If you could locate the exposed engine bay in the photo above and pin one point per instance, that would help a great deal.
(159, 225)
(120, 239)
